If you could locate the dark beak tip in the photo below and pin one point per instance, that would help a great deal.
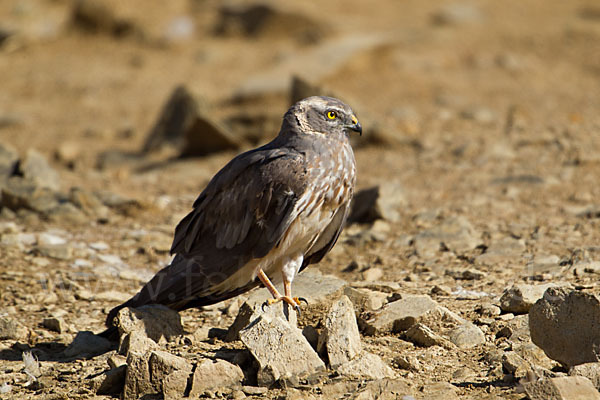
(357, 128)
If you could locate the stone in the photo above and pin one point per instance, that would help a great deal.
(564, 323)
(109, 382)
(561, 388)
(156, 373)
(86, 344)
(19, 193)
(35, 168)
(156, 321)
(280, 350)
(137, 342)
(514, 364)
(466, 336)
(88, 202)
(211, 374)
(399, 315)
(422, 335)
(588, 370)
(366, 366)
(439, 391)
(385, 389)
(366, 299)
(310, 284)
(68, 153)
(183, 126)
(55, 324)
(373, 274)
(11, 329)
(9, 159)
(519, 298)
(340, 337)
(378, 202)
(455, 233)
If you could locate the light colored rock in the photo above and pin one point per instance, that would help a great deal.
(564, 323)
(211, 374)
(156, 373)
(588, 370)
(340, 337)
(466, 336)
(311, 285)
(366, 299)
(35, 167)
(514, 364)
(11, 329)
(520, 297)
(366, 366)
(156, 321)
(137, 342)
(422, 335)
(502, 252)
(280, 349)
(372, 274)
(439, 391)
(399, 315)
(561, 388)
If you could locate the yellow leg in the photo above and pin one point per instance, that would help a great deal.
(287, 287)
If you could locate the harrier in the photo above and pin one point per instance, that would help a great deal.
(264, 217)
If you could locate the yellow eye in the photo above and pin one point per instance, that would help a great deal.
(331, 115)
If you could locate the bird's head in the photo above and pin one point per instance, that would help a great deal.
(322, 115)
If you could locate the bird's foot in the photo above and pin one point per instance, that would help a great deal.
(292, 301)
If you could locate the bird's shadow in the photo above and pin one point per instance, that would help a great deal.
(57, 351)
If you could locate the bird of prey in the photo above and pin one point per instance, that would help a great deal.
(264, 217)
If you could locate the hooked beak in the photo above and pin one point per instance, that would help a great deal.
(356, 127)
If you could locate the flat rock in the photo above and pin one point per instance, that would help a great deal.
(156, 373)
(466, 336)
(86, 344)
(565, 323)
(455, 233)
(251, 311)
(280, 350)
(561, 388)
(156, 321)
(399, 315)
(519, 298)
(379, 202)
(211, 374)
(366, 366)
(35, 168)
(340, 337)
(588, 370)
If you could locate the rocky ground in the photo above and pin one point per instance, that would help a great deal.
(478, 173)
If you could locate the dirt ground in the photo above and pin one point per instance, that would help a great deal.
(491, 110)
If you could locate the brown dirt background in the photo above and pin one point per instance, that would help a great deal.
(512, 91)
